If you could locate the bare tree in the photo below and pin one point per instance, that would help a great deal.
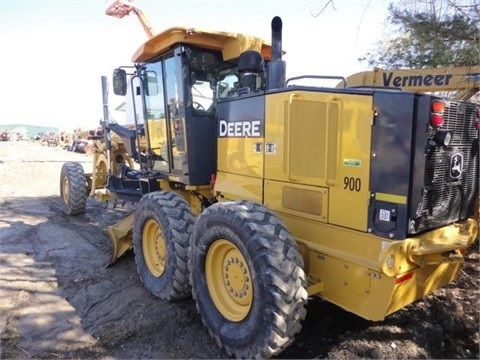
(429, 33)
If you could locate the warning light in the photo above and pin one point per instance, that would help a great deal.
(438, 106)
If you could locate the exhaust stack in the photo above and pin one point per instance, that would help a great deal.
(276, 68)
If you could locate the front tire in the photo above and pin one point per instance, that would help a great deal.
(247, 279)
(161, 232)
(73, 188)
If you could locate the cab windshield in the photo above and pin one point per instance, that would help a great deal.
(211, 78)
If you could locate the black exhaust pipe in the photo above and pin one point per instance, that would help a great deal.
(276, 68)
(276, 38)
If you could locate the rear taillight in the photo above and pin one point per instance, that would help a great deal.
(436, 118)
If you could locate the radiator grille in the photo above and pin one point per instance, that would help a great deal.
(448, 196)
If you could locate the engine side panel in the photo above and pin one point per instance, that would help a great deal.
(320, 140)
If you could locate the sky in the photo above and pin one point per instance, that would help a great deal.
(53, 53)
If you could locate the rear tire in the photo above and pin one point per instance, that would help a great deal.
(161, 232)
(247, 279)
(73, 188)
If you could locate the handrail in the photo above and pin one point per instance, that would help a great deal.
(319, 77)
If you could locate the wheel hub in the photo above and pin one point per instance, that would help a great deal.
(236, 279)
(154, 248)
(229, 281)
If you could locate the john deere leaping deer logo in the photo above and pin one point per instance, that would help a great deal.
(456, 166)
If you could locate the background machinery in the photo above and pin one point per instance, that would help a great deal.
(121, 8)
(254, 194)
(462, 81)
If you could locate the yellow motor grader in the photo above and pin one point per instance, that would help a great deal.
(253, 194)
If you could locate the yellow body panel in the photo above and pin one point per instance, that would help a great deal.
(240, 163)
(238, 187)
(423, 281)
(322, 139)
(353, 267)
(242, 156)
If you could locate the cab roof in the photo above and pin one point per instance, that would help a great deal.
(230, 44)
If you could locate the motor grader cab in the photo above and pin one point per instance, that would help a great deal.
(253, 193)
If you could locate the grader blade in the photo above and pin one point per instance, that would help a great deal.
(120, 236)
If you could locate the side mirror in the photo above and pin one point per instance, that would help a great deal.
(119, 82)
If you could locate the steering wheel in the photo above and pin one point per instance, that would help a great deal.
(198, 106)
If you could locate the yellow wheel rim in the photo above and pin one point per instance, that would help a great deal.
(154, 248)
(229, 281)
(66, 190)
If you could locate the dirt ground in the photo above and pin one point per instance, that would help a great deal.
(57, 300)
